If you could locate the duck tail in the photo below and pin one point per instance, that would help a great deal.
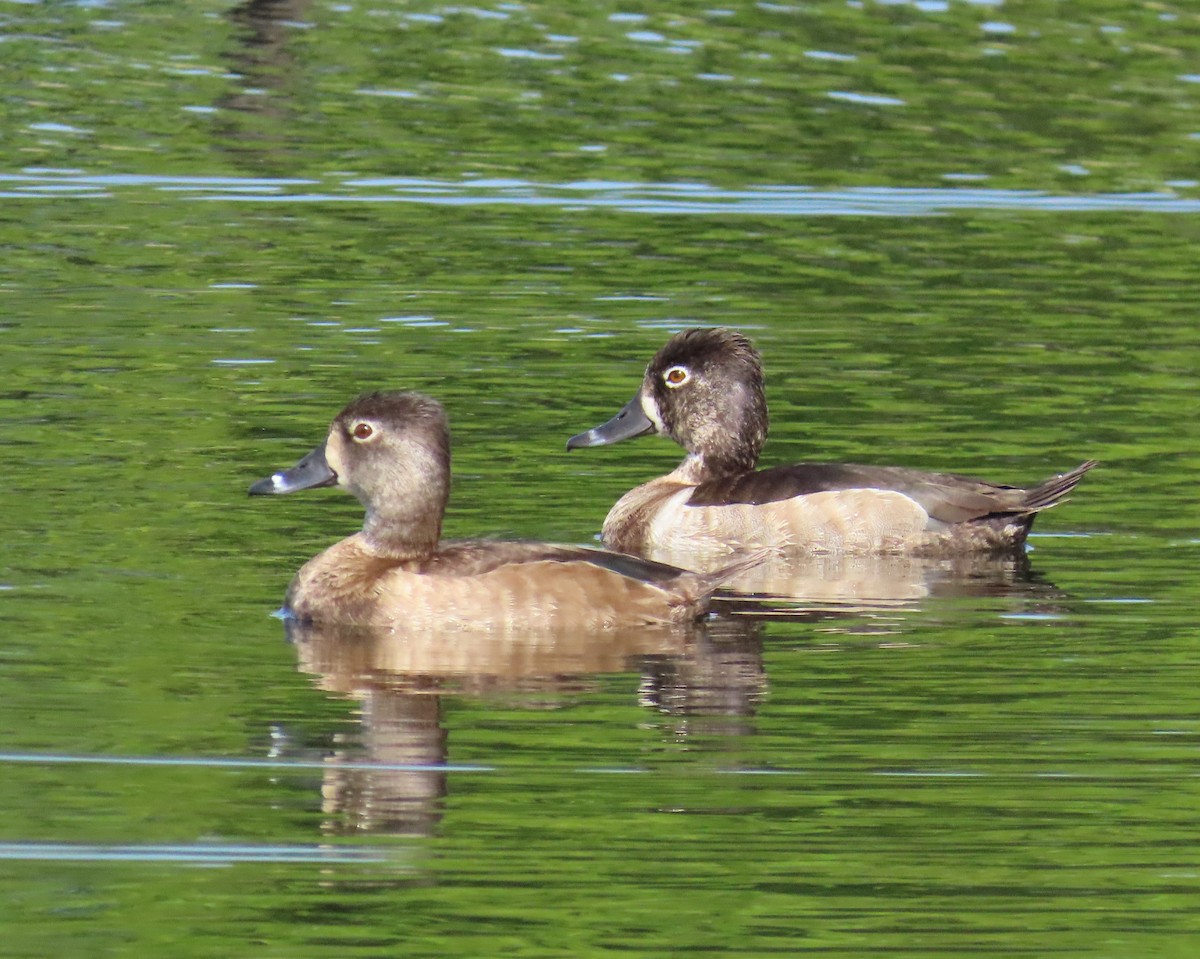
(698, 589)
(1054, 490)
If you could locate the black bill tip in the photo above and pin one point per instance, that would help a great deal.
(631, 421)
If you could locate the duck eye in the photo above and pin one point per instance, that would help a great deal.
(362, 431)
(676, 376)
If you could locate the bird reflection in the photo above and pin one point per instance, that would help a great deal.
(394, 778)
(839, 583)
(262, 54)
(708, 678)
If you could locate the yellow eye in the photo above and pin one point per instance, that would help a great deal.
(676, 376)
(362, 431)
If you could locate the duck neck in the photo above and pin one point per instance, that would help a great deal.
(726, 443)
(402, 534)
(696, 468)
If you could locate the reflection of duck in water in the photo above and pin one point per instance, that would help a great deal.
(865, 595)
(432, 660)
(707, 680)
(392, 451)
(259, 116)
(704, 389)
(875, 581)
(394, 779)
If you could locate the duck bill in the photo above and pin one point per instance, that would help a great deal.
(311, 472)
(630, 422)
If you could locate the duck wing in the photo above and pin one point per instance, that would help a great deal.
(946, 497)
(476, 557)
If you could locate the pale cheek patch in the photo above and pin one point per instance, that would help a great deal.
(334, 457)
(650, 408)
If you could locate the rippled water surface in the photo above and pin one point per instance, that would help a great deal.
(962, 233)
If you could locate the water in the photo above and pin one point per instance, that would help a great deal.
(962, 235)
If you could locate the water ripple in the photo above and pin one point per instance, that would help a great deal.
(228, 762)
(1140, 773)
(198, 853)
(650, 198)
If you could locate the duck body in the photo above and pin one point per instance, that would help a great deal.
(486, 585)
(392, 451)
(704, 389)
(821, 508)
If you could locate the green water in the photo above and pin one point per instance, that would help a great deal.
(964, 237)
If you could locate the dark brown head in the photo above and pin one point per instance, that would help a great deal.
(704, 389)
(392, 451)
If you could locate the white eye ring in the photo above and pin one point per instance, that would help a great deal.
(676, 376)
(363, 432)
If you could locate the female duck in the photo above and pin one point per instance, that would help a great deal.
(392, 451)
(704, 389)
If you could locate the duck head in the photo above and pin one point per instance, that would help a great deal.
(391, 450)
(703, 389)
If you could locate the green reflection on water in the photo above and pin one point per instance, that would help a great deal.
(1094, 96)
(997, 774)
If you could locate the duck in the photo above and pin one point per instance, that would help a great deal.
(391, 450)
(704, 390)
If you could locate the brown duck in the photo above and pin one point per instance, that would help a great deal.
(704, 389)
(392, 451)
